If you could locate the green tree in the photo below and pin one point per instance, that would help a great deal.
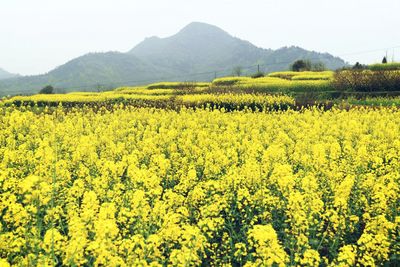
(318, 66)
(237, 71)
(301, 65)
(47, 90)
(358, 66)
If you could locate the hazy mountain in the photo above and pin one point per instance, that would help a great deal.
(6, 75)
(104, 68)
(91, 72)
(194, 53)
(281, 58)
(199, 47)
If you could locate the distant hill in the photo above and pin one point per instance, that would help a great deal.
(6, 75)
(194, 53)
(91, 72)
(282, 58)
(200, 47)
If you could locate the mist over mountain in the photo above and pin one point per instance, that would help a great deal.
(195, 53)
(6, 75)
(200, 47)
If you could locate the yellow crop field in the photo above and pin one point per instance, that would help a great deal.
(143, 91)
(232, 100)
(284, 82)
(153, 187)
(141, 98)
(83, 98)
(176, 85)
(303, 75)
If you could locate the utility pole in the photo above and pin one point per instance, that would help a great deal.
(258, 68)
(215, 75)
(393, 56)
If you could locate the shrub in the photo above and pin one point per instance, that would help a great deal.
(186, 86)
(387, 66)
(47, 90)
(367, 80)
(301, 65)
(227, 81)
(237, 71)
(258, 74)
(359, 66)
(318, 66)
(307, 65)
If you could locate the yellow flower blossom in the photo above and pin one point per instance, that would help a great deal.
(118, 185)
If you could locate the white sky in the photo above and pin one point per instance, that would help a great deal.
(38, 35)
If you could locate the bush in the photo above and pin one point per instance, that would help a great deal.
(301, 65)
(367, 80)
(228, 81)
(386, 66)
(258, 74)
(47, 90)
(186, 86)
(237, 71)
(318, 66)
(359, 66)
(307, 65)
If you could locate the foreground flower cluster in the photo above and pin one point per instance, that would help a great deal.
(139, 187)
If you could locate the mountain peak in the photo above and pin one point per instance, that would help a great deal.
(200, 27)
(196, 36)
(193, 53)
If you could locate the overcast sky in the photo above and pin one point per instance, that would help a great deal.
(37, 36)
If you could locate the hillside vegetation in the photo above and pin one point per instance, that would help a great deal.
(196, 53)
(278, 90)
(228, 92)
(6, 75)
(386, 66)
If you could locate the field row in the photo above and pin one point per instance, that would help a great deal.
(227, 101)
(279, 90)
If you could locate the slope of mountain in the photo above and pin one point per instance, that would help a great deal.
(6, 75)
(199, 47)
(281, 58)
(102, 68)
(90, 72)
(194, 53)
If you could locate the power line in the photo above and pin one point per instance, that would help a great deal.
(369, 51)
